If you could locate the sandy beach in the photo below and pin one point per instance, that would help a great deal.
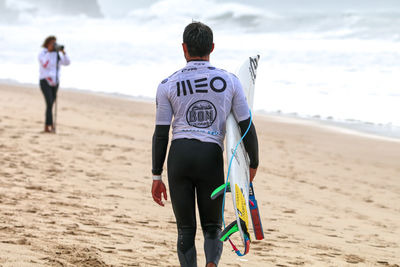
(82, 197)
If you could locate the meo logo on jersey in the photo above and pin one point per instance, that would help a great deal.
(217, 84)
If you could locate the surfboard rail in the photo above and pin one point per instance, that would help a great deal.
(238, 177)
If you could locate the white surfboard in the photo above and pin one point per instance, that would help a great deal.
(239, 174)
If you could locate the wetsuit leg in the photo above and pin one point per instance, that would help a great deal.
(210, 211)
(182, 194)
(196, 167)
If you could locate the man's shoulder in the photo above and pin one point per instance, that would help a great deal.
(170, 78)
(223, 72)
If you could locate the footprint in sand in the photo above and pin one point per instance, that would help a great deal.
(292, 211)
(22, 241)
(351, 258)
(298, 262)
(125, 250)
(386, 263)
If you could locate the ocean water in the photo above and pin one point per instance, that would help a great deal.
(337, 60)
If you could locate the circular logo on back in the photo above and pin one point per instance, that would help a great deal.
(201, 114)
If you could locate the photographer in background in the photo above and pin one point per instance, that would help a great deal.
(50, 59)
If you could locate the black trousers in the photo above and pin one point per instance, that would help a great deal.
(50, 95)
(195, 169)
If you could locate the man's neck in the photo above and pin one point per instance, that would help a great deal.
(196, 60)
(205, 58)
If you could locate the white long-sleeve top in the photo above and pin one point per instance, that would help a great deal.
(48, 65)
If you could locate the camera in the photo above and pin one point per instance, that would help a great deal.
(58, 47)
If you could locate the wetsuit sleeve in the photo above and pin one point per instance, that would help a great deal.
(240, 108)
(250, 142)
(161, 133)
(160, 144)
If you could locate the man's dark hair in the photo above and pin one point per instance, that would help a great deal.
(199, 39)
(48, 40)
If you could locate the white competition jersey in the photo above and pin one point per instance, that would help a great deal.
(200, 98)
(48, 65)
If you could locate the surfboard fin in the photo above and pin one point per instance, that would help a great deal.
(220, 191)
(233, 228)
(228, 231)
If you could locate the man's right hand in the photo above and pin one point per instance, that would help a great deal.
(157, 189)
(252, 174)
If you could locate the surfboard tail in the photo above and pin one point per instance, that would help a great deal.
(255, 215)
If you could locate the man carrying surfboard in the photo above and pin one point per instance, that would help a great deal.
(199, 98)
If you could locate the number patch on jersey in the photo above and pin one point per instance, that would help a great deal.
(216, 84)
(201, 114)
